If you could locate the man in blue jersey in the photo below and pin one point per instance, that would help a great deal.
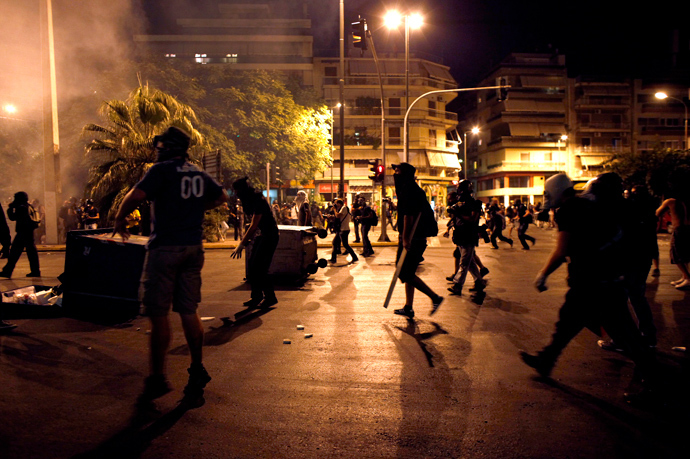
(180, 193)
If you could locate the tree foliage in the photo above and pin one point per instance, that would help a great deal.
(121, 149)
(663, 171)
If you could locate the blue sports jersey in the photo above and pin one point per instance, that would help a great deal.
(179, 192)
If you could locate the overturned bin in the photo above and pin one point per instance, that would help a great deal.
(102, 274)
(295, 256)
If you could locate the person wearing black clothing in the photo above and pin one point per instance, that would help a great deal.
(496, 223)
(343, 218)
(592, 240)
(524, 219)
(356, 214)
(465, 216)
(367, 218)
(264, 245)
(21, 212)
(412, 206)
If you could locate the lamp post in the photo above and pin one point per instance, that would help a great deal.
(392, 20)
(475, 131)
(661, 96)
(566, 162)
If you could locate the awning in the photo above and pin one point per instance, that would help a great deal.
(593, 160)
(438, 72)
(448, 160)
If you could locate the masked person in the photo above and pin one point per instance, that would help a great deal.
(27, 219)
(180, 193)
(416, 222)
(465, 215)
(592, 240)
(264, 226)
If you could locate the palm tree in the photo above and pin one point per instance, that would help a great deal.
(121, 150)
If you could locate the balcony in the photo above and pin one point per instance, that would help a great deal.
(399, 113)
(508, 166)
(597, 126)
(602, 102)
(389, 81)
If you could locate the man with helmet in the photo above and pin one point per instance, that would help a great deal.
(180, 193)
(465, 215)
(90, 215)
(27, 220)
(592, 241)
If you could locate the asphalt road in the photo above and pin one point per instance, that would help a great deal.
(368, 383)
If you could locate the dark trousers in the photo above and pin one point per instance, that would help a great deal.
(600, 306)
(356, 225)
(497, 233)
(23, 240)
(343, 241)
(636, 284)
(258, 264)
(367, 249)
(523, 236)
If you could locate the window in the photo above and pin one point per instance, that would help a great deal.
(518, 182)
(394, 136)
(499, 182)
(394, 106)
(548, 156)
(524, 157)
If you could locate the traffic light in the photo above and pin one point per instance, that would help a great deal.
(275, 173)
(374, 163)
(380, 173)
(359, 34)
(502, 92)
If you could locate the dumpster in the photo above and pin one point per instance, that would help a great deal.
(296, 254)
(102, 274)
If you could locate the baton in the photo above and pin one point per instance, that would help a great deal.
(399, 266)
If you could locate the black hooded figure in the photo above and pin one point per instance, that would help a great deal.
(264, 245)
(20, 211)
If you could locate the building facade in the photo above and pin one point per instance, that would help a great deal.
(551, 123)
(435, 157)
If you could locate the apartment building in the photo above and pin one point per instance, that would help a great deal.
(551, 124)
(521, 140)
(268, 36)
(435, 157)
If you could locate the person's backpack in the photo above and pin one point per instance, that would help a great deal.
(34, 217)
(372, 216)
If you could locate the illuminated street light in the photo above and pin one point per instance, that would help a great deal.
(661, 96)
(392, 20)
(9, 108)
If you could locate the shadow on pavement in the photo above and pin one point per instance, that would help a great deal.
(133, 440)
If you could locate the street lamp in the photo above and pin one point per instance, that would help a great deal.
(9, 108)
(392, 20)
(475, 131)
(661, 96)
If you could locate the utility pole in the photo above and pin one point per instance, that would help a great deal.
(342, 99)
(52, 187)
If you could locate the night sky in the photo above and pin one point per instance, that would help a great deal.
(598, 37)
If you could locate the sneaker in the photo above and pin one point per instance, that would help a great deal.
(6, 326)
(455, 290)
(609, 345)
(683, 285)
(435, 303)
(254, 302)
(656, 272)
(542, 365)
(450, 278)
(406, 311)
(268, 302)
(198, 378)
(155, 386)
(484, 271)
(478, 287)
